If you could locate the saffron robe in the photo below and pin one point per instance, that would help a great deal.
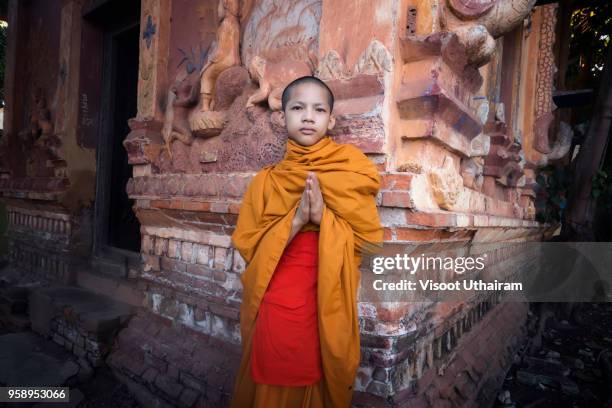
(349, 227)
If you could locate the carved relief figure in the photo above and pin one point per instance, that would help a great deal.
(224, 53)
(40, 117)
(280, 44)
(475, 25)
(446, 184)
(182, 97)
(272, 77)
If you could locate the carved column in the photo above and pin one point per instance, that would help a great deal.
(537, 85)
(12, 110)
(80, 162)
(356, 61)
(154, 42)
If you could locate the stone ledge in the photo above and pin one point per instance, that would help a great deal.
(397, 217)
(35, 188)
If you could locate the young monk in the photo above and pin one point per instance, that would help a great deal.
(303, 226)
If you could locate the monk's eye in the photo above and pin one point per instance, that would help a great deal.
(321, 110)
(296, 107)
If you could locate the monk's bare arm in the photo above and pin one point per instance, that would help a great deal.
(296, 226)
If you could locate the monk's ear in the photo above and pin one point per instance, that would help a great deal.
(332, 122)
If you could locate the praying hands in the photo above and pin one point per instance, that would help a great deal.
(310, 208)
(311, 204)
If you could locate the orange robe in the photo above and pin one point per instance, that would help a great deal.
(349, 227)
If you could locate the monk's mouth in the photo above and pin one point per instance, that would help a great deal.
(308, 131)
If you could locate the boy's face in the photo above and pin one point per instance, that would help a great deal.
(307, 115)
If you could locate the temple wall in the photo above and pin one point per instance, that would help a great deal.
(439, 94)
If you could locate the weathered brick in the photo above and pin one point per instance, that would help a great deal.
(148, 244)
(418, 235)
(173, 265)
(224, 311)
(168, 386)
(155, 362)
(161, 246)
(219, 207)
(199, 270)
(396, 181)
(238, 263)
(169, 307)
(219, 276)
(193, 382)
(134, 365)
(188, 397)
(187, 252)
(174, 248)
(173, 371)
(220, 258)
(438, 219)
(150, 374)
(401, 199)
(151, 262)
(202, 254)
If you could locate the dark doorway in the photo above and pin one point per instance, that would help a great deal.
(123, 226)
(117, 235)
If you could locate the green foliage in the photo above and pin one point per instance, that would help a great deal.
(602, 188)
(551, 198)
(591, 24)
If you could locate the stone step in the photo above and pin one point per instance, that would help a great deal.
(28, 360)
(83, 322)
(119, 289)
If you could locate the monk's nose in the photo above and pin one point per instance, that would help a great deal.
(307, 116)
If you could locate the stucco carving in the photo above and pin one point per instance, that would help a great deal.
(475, 25)
(280, 44)
(472, 172)
(480, 145)
(446, 184)
(544, 105)
(331, 67)
(224, 52)
(40, 142)
(376, 59)
(181, 98)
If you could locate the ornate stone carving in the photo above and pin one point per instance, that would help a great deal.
(182, 96)
(40, 117)
(224, 52)
(40, 142)
(376, 59)
(470, 8)
(480, 145)
(332, 67)
(446, 184)
(280, 43)
(504, 161)
(563, 142)
(544, 105)
(472, 173)
(475, 24)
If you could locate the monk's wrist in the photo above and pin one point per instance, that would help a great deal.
(297, 222)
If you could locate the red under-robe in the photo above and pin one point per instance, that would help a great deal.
(285, 347)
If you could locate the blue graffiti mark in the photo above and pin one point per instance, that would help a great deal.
(149, 31)
(191, 61)
(459, 124)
